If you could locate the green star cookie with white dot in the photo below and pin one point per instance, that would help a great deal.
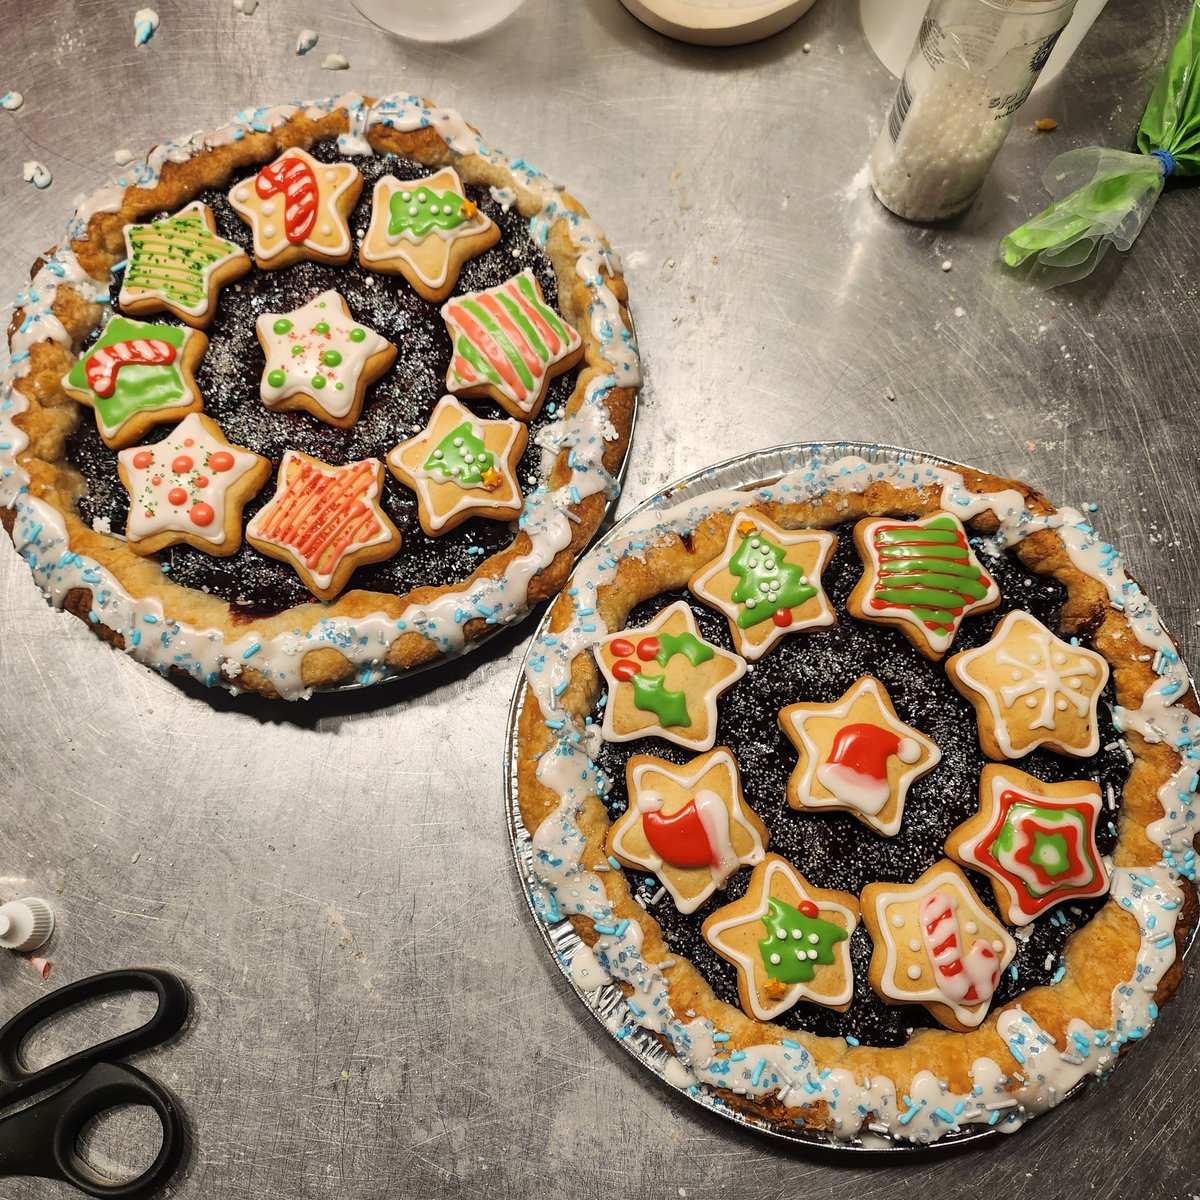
(321, 360)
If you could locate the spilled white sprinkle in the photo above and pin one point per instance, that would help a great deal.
(122, 157)
(145, 22)
(37, 174)
(12, 101)
(245, 7)
(335, 62)
(306, 41)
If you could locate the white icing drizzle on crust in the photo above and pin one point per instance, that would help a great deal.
(1038, 1073)
(40, 533)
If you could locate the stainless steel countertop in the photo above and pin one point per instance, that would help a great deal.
(374, 1013)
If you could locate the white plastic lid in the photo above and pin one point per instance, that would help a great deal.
(718, 22)
(25, 924)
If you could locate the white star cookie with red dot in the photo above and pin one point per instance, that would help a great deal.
(297, 208)
(190, 487)
(321, 360)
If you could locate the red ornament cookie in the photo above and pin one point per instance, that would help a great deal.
(689, 825)
(1035, 841)
(856, 756)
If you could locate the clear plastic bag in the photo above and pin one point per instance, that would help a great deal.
(1104, 197)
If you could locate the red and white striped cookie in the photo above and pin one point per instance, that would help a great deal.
(297, 208)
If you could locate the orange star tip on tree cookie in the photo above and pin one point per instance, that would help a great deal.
(179, 264)
(508, 343)
(325, 521)
(189, 487)
(425, 229)
(922, 577)
(689, 825)
(461, 466)
(789, 940)
(936, 944)
(1030, 689)
(856, 756)
(298, 208)
(320, 360)
(664, 679)
(1035, 841)
(767, 582)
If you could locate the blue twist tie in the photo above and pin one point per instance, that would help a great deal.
(1167, 159)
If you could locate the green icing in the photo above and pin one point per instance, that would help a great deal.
(1050, 852)
(449, 457)
(172, 257)
(767, 583)
(927, 569)
(434, 210)
(139, 386)
(791, 938)
(650, 694)
(685, 643)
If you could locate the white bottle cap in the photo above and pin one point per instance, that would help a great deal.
(25, 924)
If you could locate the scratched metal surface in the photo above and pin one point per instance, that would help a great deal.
(374, 1013)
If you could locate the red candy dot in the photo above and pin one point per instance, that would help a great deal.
(156, 480)
(200, 481)
(189, 441)
(648, 648)
(202, 514)
(808, 908)
(142, 459)
(182, 464)
(621, 647)
(782, 617)
(624, 670)
(221, 461)
(177, 496)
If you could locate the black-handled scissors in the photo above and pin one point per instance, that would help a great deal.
(42, 1139)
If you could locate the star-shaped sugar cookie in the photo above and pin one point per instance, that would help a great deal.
(298, 208)
(179, 265)
(136, 376)
(687, 824)
(325, 521)
(936, 944)
(1035, 841)
(461, 466)
(789, 940)
(921, 577)
(856, 756)
(320, 360)
(767, 582)
(191, 487)
(1032, 689)
(425, 229)
(664, 680)
(508, 343)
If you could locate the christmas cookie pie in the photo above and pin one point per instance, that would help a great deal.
(417, 448)
(919, 939)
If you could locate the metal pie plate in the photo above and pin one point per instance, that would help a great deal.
(607, 1003)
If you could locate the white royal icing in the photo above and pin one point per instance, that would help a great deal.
(337, 355)
(1039, 1073)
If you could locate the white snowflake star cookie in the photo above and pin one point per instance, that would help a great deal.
(1032, 689)
(320, 360)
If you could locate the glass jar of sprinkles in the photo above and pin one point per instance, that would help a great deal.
(972, 68)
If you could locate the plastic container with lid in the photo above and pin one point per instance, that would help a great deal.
(972, 68)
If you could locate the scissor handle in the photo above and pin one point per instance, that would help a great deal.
(43, 1139)
(18, 1081)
